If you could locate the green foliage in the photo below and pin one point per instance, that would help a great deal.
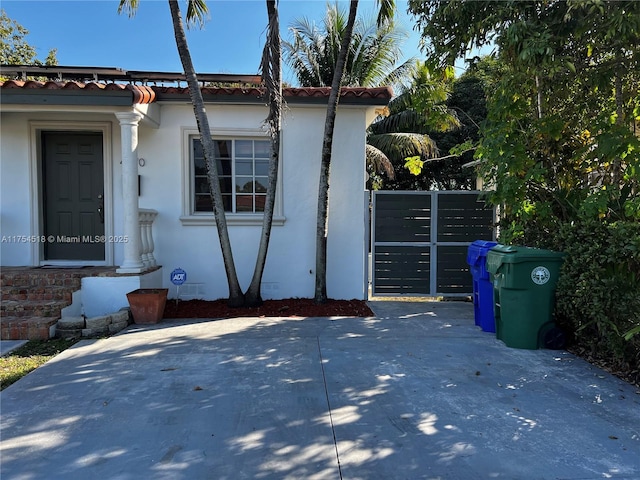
(598, 293)
(463, 100)
(29, 357)
(14, 49)
(560, 148)
(374, 52)
(414, 165)
(561, 141)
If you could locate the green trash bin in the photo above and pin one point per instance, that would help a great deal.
(524, 282)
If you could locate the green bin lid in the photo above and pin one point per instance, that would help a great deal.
(517, 254)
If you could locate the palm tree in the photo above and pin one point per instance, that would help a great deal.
(373, 56)
(196, 14)
(272, 79)
(387, 9)
(325, 161)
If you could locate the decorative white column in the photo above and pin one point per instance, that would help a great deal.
(129, 133)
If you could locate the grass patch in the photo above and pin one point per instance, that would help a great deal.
(29, 357)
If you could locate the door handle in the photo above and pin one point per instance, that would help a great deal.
(101, 208)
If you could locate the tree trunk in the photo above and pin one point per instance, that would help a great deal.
(616, 176)
(325, 165)
(272, 78)
(236, 297)
(538, 97)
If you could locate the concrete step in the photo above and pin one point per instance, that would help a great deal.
(27, 328)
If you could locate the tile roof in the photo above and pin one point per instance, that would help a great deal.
(142, 94)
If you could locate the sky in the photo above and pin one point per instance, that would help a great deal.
(91, 33)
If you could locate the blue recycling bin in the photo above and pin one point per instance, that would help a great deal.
(482, 286)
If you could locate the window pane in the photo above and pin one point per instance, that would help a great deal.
(226, 201)
(201, 185)
(262, 148)
(203, 203)
(224, 166)
(198, 151)
(260, 200)
(226, 185)
(244, 148)
(222, 148)
(262, 167)
(261, 184)
(244, 184)
(199, 166)
(244, 167)
(244, 203)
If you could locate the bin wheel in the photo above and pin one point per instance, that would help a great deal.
(554, 338)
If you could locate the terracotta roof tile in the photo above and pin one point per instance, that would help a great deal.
(141, 94)
(147, 94)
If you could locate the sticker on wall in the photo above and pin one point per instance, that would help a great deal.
(178, 276)
(540, 275)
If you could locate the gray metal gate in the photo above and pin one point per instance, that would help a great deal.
(420, 241)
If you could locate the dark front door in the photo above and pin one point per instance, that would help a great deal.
(73, 193)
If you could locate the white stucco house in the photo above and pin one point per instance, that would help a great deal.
(107, 170)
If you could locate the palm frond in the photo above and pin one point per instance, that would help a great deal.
(386, 12)
(197, 13)
(378, 162)
(373, 55)
(408, 120)
(398, 146)
(128, 6)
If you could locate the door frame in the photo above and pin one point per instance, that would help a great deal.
(36, 185)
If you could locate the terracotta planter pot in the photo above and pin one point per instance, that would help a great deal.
(147, 304)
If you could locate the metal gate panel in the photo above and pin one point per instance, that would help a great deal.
(463, 217)
(420, 241)
(453, 275)
(402, 217)
(402, 269)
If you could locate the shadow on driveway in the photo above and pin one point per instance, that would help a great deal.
(418, 391)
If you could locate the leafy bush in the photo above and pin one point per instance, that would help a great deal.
(598, 293)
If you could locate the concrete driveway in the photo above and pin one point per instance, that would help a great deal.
(417, 392)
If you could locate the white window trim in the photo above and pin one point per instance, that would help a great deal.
(189, 217)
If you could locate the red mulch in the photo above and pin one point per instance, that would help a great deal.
(292, 307)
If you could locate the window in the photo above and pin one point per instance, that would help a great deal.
(243, 168)
(242, 159)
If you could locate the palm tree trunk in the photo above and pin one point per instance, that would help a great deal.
(325, 165)
(236, 297)
(272, 78)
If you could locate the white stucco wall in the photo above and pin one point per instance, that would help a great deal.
(290, 269)
(15, 201)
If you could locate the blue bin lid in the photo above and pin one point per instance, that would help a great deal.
(478, 251)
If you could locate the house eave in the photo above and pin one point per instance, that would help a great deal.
(29, 92)
(62, 97)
